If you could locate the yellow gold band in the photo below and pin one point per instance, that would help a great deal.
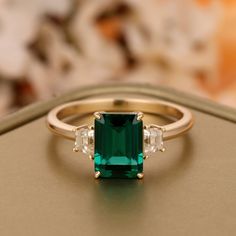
(183, 119)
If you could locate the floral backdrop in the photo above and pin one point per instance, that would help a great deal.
(49, 47)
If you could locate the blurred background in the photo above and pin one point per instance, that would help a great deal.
(48, 47)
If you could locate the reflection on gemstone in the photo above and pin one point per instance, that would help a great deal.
(118, 145)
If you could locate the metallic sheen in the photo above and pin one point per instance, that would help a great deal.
(183, 117)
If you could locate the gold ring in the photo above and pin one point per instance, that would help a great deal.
(118, 142)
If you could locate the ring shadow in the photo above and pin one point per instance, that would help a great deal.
(177, 166)
(117, 191)
(119, 200)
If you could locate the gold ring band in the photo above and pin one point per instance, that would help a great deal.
(184, 118)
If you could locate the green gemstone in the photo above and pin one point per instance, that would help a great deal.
(118, 145)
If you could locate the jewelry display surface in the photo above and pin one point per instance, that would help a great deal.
(187, 190)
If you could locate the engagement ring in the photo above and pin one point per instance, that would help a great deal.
(118, 141)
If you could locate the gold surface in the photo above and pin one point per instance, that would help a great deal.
(181, 122)
(46, 189)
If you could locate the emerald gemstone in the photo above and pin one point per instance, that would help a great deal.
(118, 145)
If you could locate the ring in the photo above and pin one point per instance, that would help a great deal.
(118, 142)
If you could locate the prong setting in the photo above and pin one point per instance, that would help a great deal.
(97, 115)
(140, 116)
(91, 127)
(75, 149)
(140, 175)
(163, 149)
(97, 174)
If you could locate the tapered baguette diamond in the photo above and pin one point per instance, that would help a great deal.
(84, 140)
(153, 139)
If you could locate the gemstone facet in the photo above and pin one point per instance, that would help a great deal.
(84, 140)
(153, 139)
(118, 145)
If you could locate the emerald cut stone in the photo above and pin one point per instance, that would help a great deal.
(118, 145)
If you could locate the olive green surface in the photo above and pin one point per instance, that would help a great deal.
(46, 189)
